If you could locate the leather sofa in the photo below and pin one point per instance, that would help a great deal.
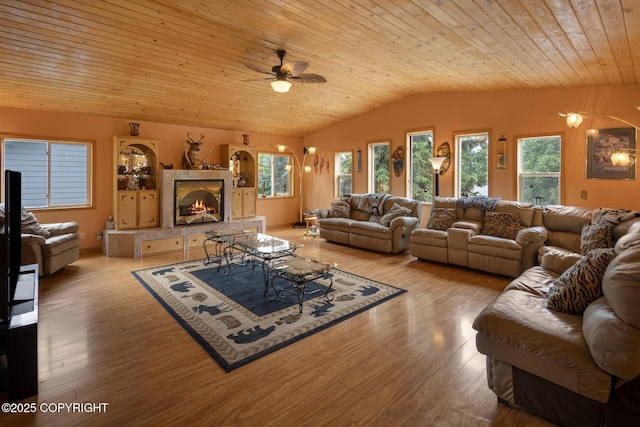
(576, 364)
(379, 222)
(51, 246)
(471, 232)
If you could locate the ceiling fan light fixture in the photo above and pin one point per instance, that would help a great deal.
(281, 85)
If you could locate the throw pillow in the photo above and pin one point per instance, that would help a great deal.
(442, 218)
(30, 225)
(395, 212)
(341, 209)
(501, 224)
(595, 237)
(580, 285)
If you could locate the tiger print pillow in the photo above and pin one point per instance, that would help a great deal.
(581, 284)
(595, 237)
(442, 218)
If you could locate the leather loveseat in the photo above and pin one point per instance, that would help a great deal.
(563, 339)
(493, 235)
(380, 222)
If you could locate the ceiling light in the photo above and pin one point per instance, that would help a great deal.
(574, 120)
(281, 85)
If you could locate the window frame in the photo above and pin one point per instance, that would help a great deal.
(336, 172)
(371, 169)
(521, 175)
(273, 194)
(411, 164)
(458, 153)
(90, 169)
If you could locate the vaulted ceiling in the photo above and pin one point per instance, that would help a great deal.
(184, 62)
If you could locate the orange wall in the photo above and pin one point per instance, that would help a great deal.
(32, 123)
(512, 113)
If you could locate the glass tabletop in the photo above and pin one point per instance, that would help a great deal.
(261, 243)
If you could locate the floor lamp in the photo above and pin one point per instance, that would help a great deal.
(436, 163)
(302, 169)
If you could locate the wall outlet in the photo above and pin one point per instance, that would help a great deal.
(82, 236)
(583, 194)
(99, 235)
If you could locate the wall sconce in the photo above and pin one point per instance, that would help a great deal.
(436, 162)
(302, 169)
(502, 153)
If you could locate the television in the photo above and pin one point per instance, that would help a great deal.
(10, 245)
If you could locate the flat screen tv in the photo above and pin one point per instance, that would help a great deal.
(10, 242)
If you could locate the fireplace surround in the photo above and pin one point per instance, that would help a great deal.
(195, 196)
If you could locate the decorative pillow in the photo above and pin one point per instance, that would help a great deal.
(30, 225)
(501, 224)
(580, 285)
(395, 212)
(595, 237)
(341, 209)
(442, 218)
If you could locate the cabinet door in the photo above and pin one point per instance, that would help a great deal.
(127, 209)
(148, 208)
(248, 202)
(236, 206)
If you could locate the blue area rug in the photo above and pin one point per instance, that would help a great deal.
(234, 321)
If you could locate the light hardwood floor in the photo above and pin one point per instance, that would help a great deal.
(411, 361)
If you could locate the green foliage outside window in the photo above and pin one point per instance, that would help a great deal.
(474, 164)
(421, 149)
(379, 167)
(273, 177)
(540, 170)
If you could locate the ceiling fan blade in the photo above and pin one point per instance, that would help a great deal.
(310, 78)
(294, 68)
(258, 69)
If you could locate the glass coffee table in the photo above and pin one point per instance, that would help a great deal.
(299, 271)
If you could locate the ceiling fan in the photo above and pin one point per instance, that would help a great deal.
(282, 75)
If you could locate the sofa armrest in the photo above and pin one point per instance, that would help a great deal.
(530, 235)
(403, 221)
(27, 240)
(58, 228)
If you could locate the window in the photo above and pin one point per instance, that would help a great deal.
(343, 170)
(274, 178)
(419, 170)
(539, 170)
(54, 173)
(379, 167)
(472, 173)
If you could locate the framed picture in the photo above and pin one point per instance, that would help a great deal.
(599, 150)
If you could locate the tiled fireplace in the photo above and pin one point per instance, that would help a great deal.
(195, 196)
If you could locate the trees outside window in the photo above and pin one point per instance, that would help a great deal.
(539, 160)
(55, 174)
(274, 179)
(419, 170)
(379, 178)
(472, 173)
(343, 173)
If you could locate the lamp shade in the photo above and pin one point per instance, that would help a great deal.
(436, 162)
(281, 86)
(620, 158)
(574, 120)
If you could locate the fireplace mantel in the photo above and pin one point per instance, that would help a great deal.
(167, 177)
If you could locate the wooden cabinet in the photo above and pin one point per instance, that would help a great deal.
(243, 163)
(244, 202)
(135, 183)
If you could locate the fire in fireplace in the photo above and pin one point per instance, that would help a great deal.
(198, 200)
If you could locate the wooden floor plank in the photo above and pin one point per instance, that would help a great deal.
(409, 361)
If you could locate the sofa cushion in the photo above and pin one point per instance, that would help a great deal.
(56, 245)
(441, 218)
(580, 285)
(614, 344)
(524, 210)
(337, 224)
(501, 224)
(557, 260)
(621, 285)
(30, 225)
(395, 212)
(594, 236)
(429, 237)
(632, 238)
(341, 209)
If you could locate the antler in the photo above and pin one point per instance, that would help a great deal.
(191, 139)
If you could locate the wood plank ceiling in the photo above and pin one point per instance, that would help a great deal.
(181, 61)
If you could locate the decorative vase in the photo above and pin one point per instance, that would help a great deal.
(245, 138)
(134, 129)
